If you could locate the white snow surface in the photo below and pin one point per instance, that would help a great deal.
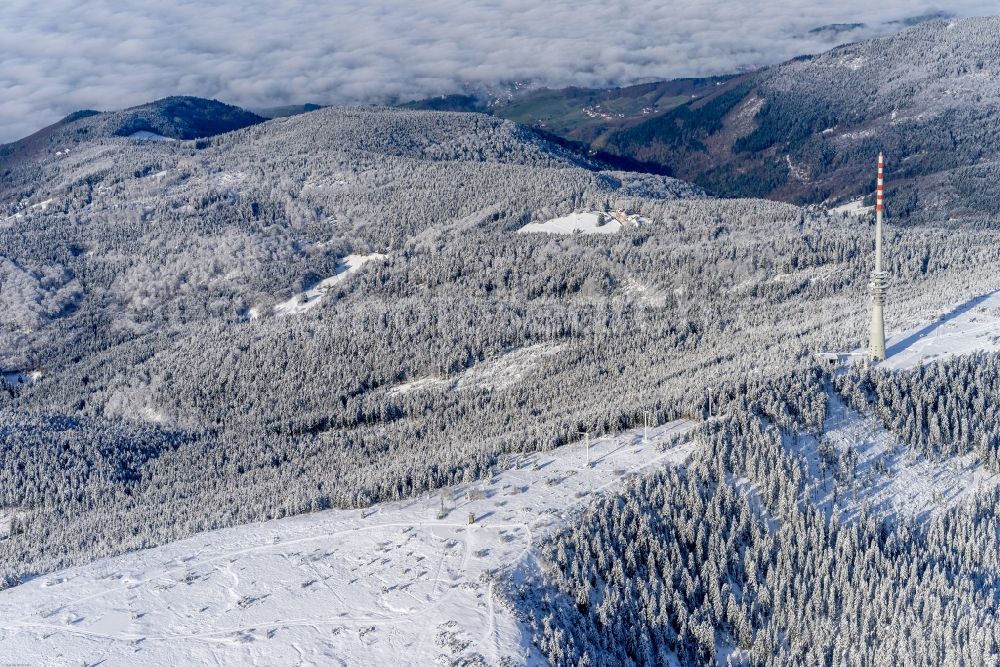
(855, 207)
(17, 378)
(390, 585)
(504, 371)
(146, 135)
(306, 301)
(585, 222)
(970, 327)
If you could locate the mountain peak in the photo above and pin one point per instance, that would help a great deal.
(180, 117)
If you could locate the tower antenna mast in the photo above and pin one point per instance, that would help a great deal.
(879, 279)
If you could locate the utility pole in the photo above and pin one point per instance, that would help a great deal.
(586, 435)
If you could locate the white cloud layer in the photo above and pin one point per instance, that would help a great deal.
(57, 56)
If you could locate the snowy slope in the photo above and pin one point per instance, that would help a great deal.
(586, 222)
(969, 327)
(393, 584)
(306, 301)
(508, 369)
(146, 135)
(857, 464)
(855, 207)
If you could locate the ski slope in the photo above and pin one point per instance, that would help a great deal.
(856, 463)
(393, 584)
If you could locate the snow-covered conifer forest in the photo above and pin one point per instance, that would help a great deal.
(336, 311)
(729, 560)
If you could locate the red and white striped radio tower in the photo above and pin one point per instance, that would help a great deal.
(879, 284)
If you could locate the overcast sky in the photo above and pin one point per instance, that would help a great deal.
(57, 56)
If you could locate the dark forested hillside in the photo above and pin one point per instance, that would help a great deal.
(807, 131)
(585, 115)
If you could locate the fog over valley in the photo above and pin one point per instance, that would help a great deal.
(62, 55)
